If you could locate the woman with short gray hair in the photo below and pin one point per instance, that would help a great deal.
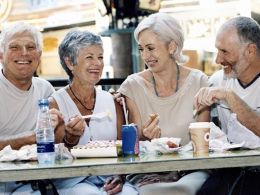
(81, 56)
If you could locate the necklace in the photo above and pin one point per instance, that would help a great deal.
(92, 108)
(177, 81)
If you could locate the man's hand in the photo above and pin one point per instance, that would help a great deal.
(208, 96)
(113, 185)
(116, 95)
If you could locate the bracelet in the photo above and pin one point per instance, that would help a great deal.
(67, 143)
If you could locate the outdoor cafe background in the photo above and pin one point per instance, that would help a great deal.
(115, 21)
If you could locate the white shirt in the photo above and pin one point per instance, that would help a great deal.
(250, 94)
(19, 108)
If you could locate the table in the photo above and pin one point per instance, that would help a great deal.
(15, 171)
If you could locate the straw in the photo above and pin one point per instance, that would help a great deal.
(195, 113)
(124, 109)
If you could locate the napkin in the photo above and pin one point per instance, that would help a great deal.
(159, 145)
(29, 152)
(218, 140)
(237, 133)
(62, 153)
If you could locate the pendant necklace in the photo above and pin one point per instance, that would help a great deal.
(90, 109)
(177, 81)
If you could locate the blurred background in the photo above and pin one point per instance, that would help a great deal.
(115, 21)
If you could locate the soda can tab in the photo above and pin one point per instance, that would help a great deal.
(130, 140)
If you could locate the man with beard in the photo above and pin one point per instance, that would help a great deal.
(235, 90)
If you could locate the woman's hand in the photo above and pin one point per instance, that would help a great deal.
(56, 117)
(114, 185)
(151, 129)
(73, 130)
(116, 95)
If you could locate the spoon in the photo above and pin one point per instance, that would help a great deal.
(99, 115)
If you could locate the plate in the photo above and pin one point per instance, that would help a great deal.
(95, 149)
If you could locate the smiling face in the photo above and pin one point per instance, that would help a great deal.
(231, 53)
(89, 65)
(21, 57)
(153, 50)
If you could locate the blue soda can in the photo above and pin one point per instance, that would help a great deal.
(130, 140)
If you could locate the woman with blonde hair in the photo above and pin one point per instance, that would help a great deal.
(167, 89)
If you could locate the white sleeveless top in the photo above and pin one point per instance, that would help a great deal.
(98, 129)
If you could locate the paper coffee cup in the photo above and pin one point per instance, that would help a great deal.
(199, 133)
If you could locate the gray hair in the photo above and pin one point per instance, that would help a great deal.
(73, 42)
(20, 27)
(167, 28)
(248, 30)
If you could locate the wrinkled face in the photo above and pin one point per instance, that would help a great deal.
(20, 56)
(89, 64)
(153, 50)
(231, 53)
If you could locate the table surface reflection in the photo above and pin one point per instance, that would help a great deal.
(15, 171)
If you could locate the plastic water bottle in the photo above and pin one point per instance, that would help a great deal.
(44, 135)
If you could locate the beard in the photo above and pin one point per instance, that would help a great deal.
(236, 68)
(230, 72)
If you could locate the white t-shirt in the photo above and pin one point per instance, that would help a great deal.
(250, 94)
(18, 108)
